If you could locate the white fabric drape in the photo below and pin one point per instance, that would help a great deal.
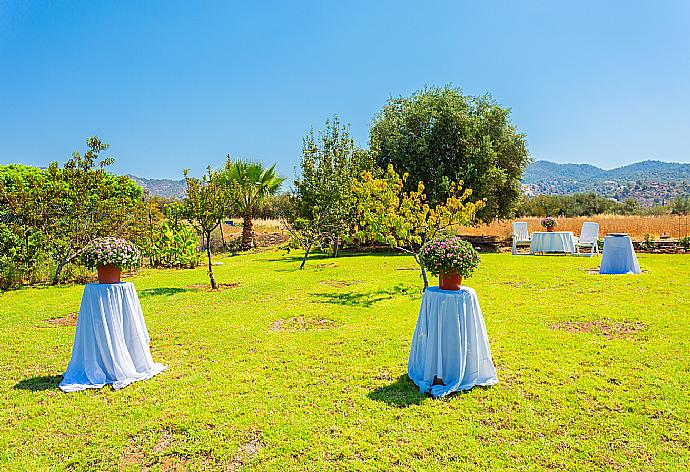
(618, 256)
(111, 343)
(556, 241)
(450, 343)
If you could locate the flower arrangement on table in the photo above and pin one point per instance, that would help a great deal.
(549, 223)
(110, 255)
(452, 258)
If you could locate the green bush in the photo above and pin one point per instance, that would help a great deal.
(685, 242)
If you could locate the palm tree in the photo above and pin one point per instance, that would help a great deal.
(252, 183)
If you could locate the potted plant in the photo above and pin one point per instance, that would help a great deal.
(549, 223)
(109, 256)
(451, 258)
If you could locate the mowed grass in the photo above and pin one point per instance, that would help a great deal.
(307, 370)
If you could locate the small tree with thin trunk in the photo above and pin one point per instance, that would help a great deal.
(404, 220)
(205, 205)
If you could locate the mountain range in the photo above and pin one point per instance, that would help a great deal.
(650, 182)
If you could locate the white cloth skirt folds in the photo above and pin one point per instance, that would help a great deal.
(111, 343)
(450, 343)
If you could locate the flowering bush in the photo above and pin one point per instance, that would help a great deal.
(449, 254)
(104, 251)
(549, 222)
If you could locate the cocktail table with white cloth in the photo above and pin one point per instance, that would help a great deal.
(111, 344)
(450, 349)
(554, 241)
(618, 256)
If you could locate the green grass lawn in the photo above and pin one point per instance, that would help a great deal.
(308, 370)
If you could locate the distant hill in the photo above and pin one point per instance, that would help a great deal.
(650, 182)
(167, 188)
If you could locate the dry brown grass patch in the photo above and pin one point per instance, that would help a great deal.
(70, 319)
(207, 287)
(339, 283)
(606, 327)
(300, 323)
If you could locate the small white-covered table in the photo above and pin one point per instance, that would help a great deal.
(555, 241)
(450, 349)
(618, 256)
(111, 344)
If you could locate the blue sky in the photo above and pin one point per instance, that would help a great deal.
(175, 85)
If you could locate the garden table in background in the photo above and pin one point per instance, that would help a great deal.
(618, 256)
(450, 349)
(111, 344)
(555, 241)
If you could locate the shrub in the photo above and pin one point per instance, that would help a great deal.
(685, 242)
(448, 255)
(648, 243)
(104, 251)
(549, 222)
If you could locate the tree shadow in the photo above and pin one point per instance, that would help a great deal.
(351, 299)
(163, 291)
(365, 299)
(36, 384)
(401, 393)
(317, 256)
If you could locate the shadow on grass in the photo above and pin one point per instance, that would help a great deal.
(401, 393)
(366, 299)
(319, 256)
(351, 299)
(163, 291)
(36, 384)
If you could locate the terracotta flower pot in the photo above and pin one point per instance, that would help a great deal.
(109, 274)
(450, 281)
(550, 229)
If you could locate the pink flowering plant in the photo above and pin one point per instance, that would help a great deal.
(449, 254)
(549, 222)
(119, 252)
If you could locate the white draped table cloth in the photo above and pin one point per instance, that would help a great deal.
(111, 344)
(450, 344)
(618, 256)
(555, 241)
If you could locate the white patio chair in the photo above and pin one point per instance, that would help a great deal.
(589, 239)
(521, 235)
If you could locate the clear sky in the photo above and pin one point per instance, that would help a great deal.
(175, 85)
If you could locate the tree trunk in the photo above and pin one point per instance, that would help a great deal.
(222, 236)
(247, 232)
(214, 286)
(304, 259)
(426, 280)
(424, 276)
(58, 270)
(336, 246)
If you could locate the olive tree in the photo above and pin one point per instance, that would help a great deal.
(439, 136)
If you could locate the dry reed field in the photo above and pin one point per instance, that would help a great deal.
(636, 226)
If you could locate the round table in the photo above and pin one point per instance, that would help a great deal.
(554, 241)
(450, 349)
(111, 344)
(618, 256)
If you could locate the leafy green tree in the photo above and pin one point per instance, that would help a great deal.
(680, 206)
(205, 205)
(72, 205)
(85, 202)
(439, 136)
(251, 184)
(323, 206)
(388, 214)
